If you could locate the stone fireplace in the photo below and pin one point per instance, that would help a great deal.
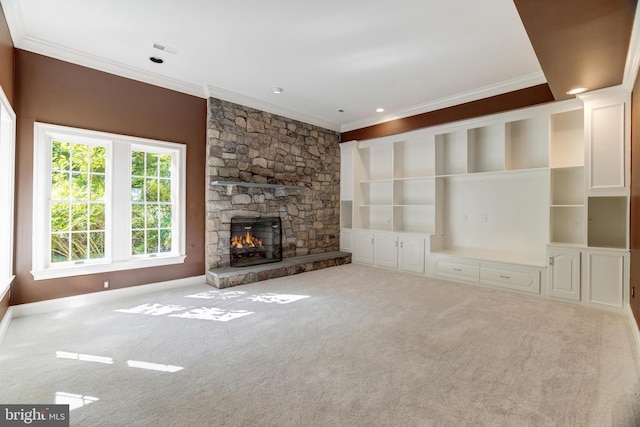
(261, 165)
(255, 241)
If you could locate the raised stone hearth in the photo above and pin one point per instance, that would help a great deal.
(226, 277)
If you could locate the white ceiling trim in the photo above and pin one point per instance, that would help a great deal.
(247, 101)
(633, 55)
(461, 98)
(84, 59)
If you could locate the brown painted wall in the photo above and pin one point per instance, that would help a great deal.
(634, 236)
(496, 104)
(7, 74)
(61, 93)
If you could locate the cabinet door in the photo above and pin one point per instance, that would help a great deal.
(346, 240)
(386, 250)
(411, 255)
(606, 277)
(564, 273)
(363, 248)
(606, 134)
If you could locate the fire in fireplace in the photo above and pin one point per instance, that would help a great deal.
(255, 241)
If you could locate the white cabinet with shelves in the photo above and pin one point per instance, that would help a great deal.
(495, 198)
(394, 188)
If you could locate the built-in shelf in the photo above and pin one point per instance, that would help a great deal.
(229, 184)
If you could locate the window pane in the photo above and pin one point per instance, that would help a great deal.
(137, 189)
(151, 190)
(79, 186)
(59, 217)
(165, 216)
(98, 159)
(137, 242)
(96, 245)
(60, 156)
(165, 190)
(152, 216)
(137, 216)
(80, 158)
(59, 247)
(165, 165)
(152, 241)
(60, 182)
(137, 163)
(165, 240)
(96, 217)
(79, 216)
(97, 187)
(152, 164)
(79, 246)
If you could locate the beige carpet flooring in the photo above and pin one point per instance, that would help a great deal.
(343, 346)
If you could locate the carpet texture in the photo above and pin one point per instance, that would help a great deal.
(344, 346)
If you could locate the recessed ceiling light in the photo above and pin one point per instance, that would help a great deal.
(379, 110)
(576, 90)
(156, 60)
(277, 90)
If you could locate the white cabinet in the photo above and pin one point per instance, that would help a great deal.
(508, 276)
(390, 250)
(607, 136)
(606, 277)
(496, 197)
(363, 244)
(386, 250)
(346, 240)
(564, 273)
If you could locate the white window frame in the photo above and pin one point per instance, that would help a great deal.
(7, 190)
(118, 202)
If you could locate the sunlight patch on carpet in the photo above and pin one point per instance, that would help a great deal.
(74, 401)
(218, 295)
(153, 366)
(215, 314)
(84, 357)
(153, 309)
(272, 298)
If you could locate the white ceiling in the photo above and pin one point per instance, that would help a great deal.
(407, 56)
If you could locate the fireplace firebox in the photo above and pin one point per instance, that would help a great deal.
(255, 241)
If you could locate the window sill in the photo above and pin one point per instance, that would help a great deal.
(5, 285)
(54, 273)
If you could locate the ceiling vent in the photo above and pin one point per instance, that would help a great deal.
(164, 48)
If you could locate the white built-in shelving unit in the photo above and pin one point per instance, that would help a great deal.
(534, 200)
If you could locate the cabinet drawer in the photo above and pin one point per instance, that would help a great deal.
(523, 280)
(457, 270)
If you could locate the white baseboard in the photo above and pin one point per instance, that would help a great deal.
(58, 304)
(635, 330)
(4, 324)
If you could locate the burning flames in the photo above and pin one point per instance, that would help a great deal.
(246, 241)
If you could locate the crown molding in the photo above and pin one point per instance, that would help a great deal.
(633, 55)
(53, 50)
(528, 80)
(247, 101)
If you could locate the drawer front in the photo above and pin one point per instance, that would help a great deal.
(528, 281)
(457, 270)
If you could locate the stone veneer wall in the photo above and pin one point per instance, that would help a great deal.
(249, 145)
